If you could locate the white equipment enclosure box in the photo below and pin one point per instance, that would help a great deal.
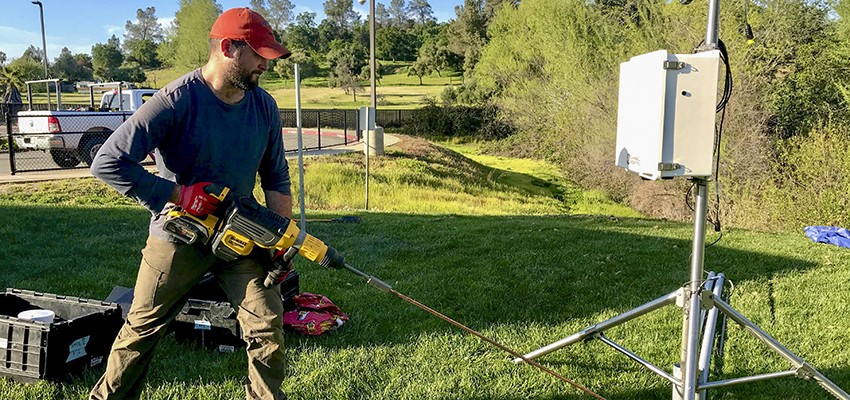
(665, 121)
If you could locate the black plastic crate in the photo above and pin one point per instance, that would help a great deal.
(212, 323)
(80, 336)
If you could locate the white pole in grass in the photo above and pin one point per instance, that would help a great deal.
(300, 145)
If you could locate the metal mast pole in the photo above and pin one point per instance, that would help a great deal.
(44, 47)
(300, 146)
(691, 311)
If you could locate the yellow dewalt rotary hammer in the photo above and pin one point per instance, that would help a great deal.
(240, 224)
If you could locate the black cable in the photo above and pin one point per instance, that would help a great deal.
(721, 108)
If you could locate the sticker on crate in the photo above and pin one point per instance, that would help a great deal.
(222, 348)
(77, 349)
(96, 361)
(4, 343)
(203, 325)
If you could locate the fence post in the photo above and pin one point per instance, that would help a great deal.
(7, 110)
(319, 128)
(344, 127)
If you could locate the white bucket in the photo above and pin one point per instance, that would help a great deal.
(38, 315)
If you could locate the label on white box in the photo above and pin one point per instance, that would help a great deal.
(202, 325)
(78, 348)
(4, 343)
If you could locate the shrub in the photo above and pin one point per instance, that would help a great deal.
(457, 121)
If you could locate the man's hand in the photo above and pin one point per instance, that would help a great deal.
(195, 200)
(280, 268)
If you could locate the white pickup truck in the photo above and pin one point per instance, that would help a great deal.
(74, 136)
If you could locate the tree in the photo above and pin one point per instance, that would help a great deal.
(21, 70)
(306, 65)
(421, 10)
(83, 60)
(351, 54)
(435, 52)
(468, 33)
(395, 44)
(343, 77)
(143, 37)
(131, 71)
(107, 59)
(65, 66)
(340, 13)
(147, 27)
(382, 16)
(492, 6)
(303, 33)
(419, 68)
(144, 52)
(398, 12)
(166, 52)
(366, 72)
(347, 60)
(34, 53)
(277, 12)
(194, 21)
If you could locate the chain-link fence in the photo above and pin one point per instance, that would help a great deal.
(44, 141)
(70, 139)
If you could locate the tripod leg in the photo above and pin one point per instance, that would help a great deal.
(803, 369)
(715, 284)
(602, 326)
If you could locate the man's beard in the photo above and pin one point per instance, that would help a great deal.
(240, 77)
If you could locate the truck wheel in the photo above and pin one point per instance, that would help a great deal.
(89, 150)
(64, 159)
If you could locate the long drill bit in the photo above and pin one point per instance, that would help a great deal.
(388, 289)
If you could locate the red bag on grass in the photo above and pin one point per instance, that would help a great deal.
(314, 315)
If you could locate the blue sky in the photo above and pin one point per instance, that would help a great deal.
(78, 24)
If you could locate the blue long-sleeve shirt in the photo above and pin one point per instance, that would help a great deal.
(195, 137)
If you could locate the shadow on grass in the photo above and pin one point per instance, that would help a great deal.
(512, 272)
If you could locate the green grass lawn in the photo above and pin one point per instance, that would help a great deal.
(507, 251)
(395, 90)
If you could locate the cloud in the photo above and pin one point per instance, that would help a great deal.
(118, 31)
(165, 22)
(14, 41)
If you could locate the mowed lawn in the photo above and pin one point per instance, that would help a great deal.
(507, 251)
(395, 90)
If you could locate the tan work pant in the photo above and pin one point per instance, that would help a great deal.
(167, 272)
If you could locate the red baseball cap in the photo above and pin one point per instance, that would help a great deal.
(246, 25)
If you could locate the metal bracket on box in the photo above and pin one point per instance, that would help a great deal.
(668, 166)
(674, 64)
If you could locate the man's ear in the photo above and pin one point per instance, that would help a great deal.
(225, 47)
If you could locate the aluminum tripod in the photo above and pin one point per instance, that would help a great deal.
(700, 302)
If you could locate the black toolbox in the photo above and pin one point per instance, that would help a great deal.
(80, 335)
(208, 318)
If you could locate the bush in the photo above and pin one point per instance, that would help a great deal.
(457, 121)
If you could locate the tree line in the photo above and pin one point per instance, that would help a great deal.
(406, 30)
(551, 69)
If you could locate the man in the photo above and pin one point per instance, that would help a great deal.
(210, 126)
